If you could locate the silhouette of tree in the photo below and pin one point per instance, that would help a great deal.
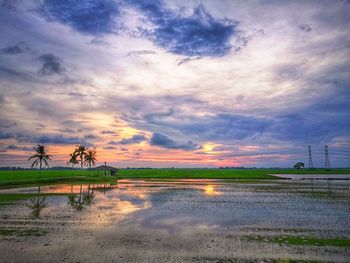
(90, 157)
(73, 159)
(299, 165)
(40, 157)
(80, 151)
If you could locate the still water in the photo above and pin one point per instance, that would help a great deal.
(178, 221)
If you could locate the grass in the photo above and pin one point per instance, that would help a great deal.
(300, 240)
(22, 232)
(29, 177)
(12, 197)
(12, 178)
(219, 173)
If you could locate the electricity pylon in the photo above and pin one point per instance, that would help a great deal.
(311, 164)
(326, 158)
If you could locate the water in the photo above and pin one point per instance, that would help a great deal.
(178, 221)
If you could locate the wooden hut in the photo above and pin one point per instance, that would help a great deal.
(105, 170)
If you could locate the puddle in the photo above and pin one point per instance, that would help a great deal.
(182, 220)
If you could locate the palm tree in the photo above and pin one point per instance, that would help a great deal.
(80, 151)
(40, 157)
(73, 159)
(90, 157)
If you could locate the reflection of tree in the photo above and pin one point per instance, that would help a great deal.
(104, 187)
(81, 200)
(36, 204)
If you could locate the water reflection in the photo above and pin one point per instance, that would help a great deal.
(36, 204)
(210, 190)
(79, 201)
(198, 216)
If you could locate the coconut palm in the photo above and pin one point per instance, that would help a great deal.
(73, 159)
(80, 151)
(40, 157)
(90, 157)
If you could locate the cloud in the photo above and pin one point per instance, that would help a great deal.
(21, 148)
(99, 42)
(109, 147)
(136, 139)
(95, 17)
(186, 60)
(57, 139)
(159, 139)
(214, 127)
(305, 27)
(14, 50)
(51, 65)
(6, 135)
(141, 52)
(133, 140)
(107, 132)
(7, 123)
(197, 35)
(78, 94)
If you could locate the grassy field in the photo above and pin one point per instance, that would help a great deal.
(24, 177)
(218, 173)
(52, 176)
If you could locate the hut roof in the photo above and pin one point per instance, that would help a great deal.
(105, 167)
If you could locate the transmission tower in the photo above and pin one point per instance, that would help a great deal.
(311, 164)
(326, 158)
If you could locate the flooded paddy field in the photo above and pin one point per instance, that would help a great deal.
(178, 221)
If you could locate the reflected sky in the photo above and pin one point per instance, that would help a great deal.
(187, 207)
(131, 217)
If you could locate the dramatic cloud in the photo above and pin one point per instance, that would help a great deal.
(214, 127)
(94, 17)
(197, 35)
(158, 83)
(159, 139)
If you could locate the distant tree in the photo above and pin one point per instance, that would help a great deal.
(90, 157)
(80, 151)
(40, 157)
(299, 165)
(73, 159)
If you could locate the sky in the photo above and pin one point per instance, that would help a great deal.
(176, 83)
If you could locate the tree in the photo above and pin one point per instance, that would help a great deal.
(73, 159)
(90, 157)
(80, 151)
(299, 165)
(40, 157)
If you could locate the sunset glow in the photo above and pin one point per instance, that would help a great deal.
(175, 83)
